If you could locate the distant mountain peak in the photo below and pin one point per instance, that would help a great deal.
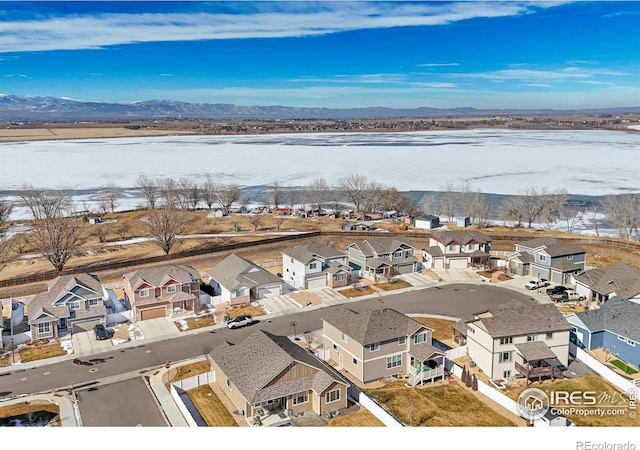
(34, 108)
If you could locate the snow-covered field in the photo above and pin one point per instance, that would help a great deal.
(493, 161)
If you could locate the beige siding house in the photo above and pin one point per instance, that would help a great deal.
(457, 249)
(267, 376)
(164, 291)
(72, 303)
(516, 338)
(379, 344)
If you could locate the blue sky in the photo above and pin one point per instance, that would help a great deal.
(326, 54)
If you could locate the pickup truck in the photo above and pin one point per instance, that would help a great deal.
(536, 284)
(570, 295)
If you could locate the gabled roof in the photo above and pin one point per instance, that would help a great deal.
(616, 315)
(552, 246)
(622, 279)
(43, 307)
(253, 364)
(336, 267)
(462, 237)
(308, 252)
(235, 272)
(160, 276)
(379, 245)
(373, 326)
(517, 319)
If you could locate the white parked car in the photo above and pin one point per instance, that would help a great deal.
(240, 321)
(537, 284)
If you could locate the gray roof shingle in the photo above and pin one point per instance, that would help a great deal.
(517, 319)
(372, 326)
(234, 272)
(462, 237)
(617, 315)
(159, 276)
(622, 279)
(307, 252)
(254, 363)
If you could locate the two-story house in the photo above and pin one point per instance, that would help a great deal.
(164, 291)
(526, 338)
(315, 265)
(266, 376)
(376, 258)
(379, 344)
(547, 258)
(238, 281)
(613, 327)
(456, 249)
(71, 304)
(601, 283)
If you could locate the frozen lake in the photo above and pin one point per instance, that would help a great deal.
(493, 161)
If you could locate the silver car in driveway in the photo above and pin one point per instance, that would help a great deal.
(240, 321)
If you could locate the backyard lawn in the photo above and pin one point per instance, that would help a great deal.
(210, 407)
(624, 367)
(437, 406)
(361, 418)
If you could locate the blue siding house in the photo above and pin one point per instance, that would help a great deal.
(614, 327)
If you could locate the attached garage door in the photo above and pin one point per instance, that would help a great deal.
(268, 292)
(438, 264)
(81, 327)
(316, 283)
(153, 313)
(457, 263)
(407, 268)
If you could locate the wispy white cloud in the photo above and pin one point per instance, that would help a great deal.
(16, 75)
(264, 21)
(534, 75)
(406, 79)
(439, 64)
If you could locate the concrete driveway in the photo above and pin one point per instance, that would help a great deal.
(86, 343)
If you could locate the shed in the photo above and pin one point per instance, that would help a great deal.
(463, 221)
(428, 222)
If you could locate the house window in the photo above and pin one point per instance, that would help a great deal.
(505, 357)
(292, 260)
(93, 301)
(228, 383)
(44, 329)
(339, 277)
(570, 257)
(419, 338)
(542, 257)
(300, 397)
(241, 293)
(374, 347)
(397, 255)
(332, 396)
(506, 340)
(549, 336)
(313, 265)
(394, 361)
(531, 337)
(402, 340)
(472, 246)
(620, 338)
(452, 248)
(470, 330)
(171, 289)
(74, 305)
(355, 362)
(335, 347)
(344, 337)
(144, 293)
(506, 373)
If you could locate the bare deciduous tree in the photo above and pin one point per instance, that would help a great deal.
(573, 215)
(165, 226)
(168, 189)
(447, 202)
(279, 221)
(533, 202)
(122, 229)
(227, 195)
(275, 194)
(256, 220)
(354, 188)
(100, 231)
(149, 189)
(553, 204)
(108, 197)
(373, 196)
(624, 211)
(57, 238)
(208, 190)
(316, 193)
(45, 204)
(512, 208)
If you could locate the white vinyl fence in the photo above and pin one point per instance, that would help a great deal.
(606, 373)
(185, 385)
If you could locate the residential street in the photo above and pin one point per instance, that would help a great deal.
(132, 359)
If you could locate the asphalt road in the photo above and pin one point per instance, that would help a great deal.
(455, 300)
